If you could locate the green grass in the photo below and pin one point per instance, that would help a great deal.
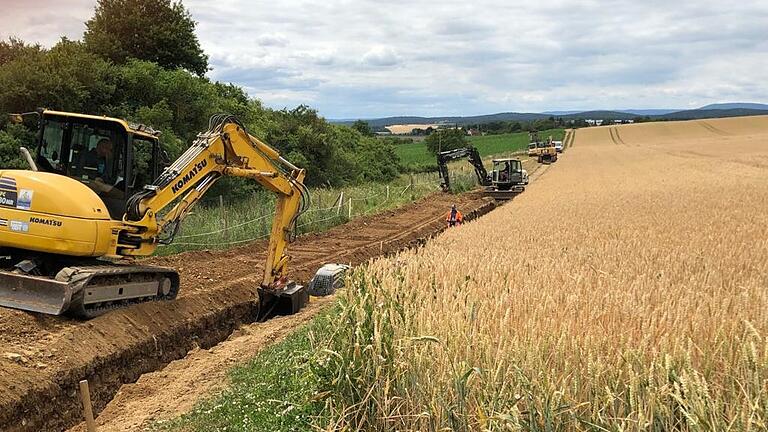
(415, 157)
(275, 391)
(491, 145)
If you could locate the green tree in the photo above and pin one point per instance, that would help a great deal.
(154, 30)
(14, 48)
(66, 77)
(363, 127)
(11, 138)
(446, 139)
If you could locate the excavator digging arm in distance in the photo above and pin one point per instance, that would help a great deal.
(472, 155)
(226, 149)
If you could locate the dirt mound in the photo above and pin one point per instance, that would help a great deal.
(42, 358)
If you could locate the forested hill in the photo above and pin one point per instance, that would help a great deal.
(459, 120)
(710, 111)
(142, 61)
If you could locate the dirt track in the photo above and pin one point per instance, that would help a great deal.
(38, 390)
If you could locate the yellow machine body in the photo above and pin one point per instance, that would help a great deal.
(52, 213)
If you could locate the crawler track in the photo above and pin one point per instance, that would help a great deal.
(218, 288)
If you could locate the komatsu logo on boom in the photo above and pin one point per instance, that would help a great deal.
(189, 176)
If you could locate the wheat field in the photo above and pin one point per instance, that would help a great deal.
(625, 290)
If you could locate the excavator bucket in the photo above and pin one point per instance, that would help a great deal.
(35, 294)
(285, 301)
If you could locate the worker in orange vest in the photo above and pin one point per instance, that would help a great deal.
(454, 217)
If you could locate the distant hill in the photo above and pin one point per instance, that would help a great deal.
(388, 121)
(738, 105)
(709, 111)
(639, 112)
(712, 113)
(561, 113)
(610, 115)
(649, 112)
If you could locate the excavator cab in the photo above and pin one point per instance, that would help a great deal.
(507, 173)
(508, 179)
(110, 156)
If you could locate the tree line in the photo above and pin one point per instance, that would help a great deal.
(141, 60)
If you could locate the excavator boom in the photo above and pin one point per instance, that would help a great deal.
(472, 155)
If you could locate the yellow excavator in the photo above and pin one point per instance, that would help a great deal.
(543, 150)
(71, 224)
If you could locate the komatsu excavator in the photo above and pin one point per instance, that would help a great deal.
(70, 226)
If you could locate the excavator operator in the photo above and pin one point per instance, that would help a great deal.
(504, 174)
(454, 217)
(104, 184)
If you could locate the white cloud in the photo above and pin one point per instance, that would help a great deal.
(277, 40)
(381, 56)
(438, 57)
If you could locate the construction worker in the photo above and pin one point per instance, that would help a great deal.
(454, 217)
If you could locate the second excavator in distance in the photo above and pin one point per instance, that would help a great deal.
(507, 179)
(71, 224)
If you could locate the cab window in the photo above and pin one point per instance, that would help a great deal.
(84, 149)
(96, 153)
(49, 156)
(141, 173)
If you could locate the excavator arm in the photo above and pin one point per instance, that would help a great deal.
(226, 149)
(472, 155)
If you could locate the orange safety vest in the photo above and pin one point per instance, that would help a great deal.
(458, 217)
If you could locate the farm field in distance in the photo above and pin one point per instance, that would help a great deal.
(416, 155)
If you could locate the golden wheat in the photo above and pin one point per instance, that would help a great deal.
(625, 290)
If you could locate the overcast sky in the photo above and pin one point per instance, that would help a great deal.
(352, 59)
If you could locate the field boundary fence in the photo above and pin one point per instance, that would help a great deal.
(232, 231)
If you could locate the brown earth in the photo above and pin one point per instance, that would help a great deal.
(175, 389)
(42, 358)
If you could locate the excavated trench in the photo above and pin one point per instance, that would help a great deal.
(43, 358)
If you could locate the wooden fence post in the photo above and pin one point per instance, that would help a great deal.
(85, 395)
(350, 209)
(387, 192)
(341, 203)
